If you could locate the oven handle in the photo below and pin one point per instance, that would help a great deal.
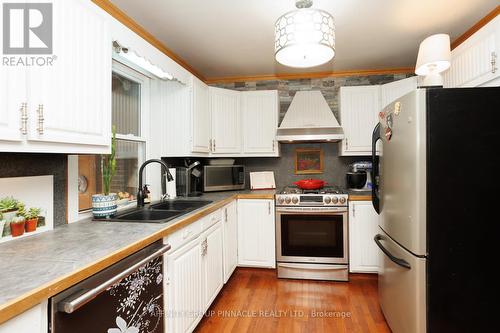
(316, 267)
(74, 302)
(396, 260)
(331, 210)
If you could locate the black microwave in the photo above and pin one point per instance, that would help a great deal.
(223, 178)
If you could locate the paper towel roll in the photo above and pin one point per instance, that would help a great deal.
(171, 186)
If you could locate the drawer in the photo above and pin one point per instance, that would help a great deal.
(184, 235)
(211, 219)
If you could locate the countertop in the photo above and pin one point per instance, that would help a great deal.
(35, 268)
(360, 195)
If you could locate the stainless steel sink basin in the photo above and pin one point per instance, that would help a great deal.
(158, 213)
(148, 215)
(180, 204)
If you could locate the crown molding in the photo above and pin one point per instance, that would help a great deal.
(479, 24)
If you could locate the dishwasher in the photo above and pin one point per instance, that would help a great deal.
(125, 297)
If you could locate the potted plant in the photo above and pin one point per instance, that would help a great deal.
(17, 226)
(104, 205)
(8, 208)
(31, 217)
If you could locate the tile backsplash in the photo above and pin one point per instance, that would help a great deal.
(20, 165)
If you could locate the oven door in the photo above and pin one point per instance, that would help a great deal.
(314, 235)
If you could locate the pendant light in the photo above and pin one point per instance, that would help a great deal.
(304, 37)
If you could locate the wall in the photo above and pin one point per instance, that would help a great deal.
(19, 165)
(334, 165)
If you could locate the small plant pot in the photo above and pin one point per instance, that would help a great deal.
(17, 228)
(104, 206)
(30, 225)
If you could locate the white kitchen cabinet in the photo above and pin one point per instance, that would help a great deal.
(259, 110)
(184, 288)
(363, 226)
(256, 233)
(390, 92)
(68, 103)
(359, 108)
(201, 117)
(213, 271)
(225, 119)
(34, 320)
(12, 98)
(230, 240)
(475, 62)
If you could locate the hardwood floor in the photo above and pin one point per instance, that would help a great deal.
(255, 300)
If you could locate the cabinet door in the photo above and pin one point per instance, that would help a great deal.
(475, 61)
(359, 107)
(213, 264)
(73, 96)
(12, 99)
(230, 230)
(34, 320)
(256, 233)
(259, 111)
(391, 91)
(225, 114)
(363, 226)
(201, 117)
(184, 288)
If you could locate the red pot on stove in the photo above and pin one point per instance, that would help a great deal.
(310, 184)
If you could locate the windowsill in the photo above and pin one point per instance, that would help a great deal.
(87, 214)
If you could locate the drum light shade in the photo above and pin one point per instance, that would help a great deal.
(305, 38)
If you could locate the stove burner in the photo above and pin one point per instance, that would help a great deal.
(324, 190)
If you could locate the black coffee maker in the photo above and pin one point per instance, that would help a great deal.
(189, 179)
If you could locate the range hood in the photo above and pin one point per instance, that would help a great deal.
(309, 118)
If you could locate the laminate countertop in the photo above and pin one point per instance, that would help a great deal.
(35, 268)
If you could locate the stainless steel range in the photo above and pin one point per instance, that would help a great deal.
(311, 234)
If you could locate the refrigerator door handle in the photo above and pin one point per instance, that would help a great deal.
(375, 169)
(396, 260)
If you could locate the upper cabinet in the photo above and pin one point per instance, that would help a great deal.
(475, 62)
(63, 103)
(259, 110)
(359, 107)
(201, 117)
(225, 113)
(198, 120)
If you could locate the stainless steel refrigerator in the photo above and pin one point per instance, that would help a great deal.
(435, 158)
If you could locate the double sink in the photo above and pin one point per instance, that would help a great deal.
(161, 212)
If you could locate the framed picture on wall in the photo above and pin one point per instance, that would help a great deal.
(308, 161)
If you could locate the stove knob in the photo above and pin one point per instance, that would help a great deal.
(281, 200)
(287, 200)
(335, 200)
(295, 200)
(327, 200)
(342, 200)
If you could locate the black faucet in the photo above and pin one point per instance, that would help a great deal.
(140, 193)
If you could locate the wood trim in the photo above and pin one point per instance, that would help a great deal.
(22, 303)
(360, 197)
(118, 14)
(314, 75)
(472, 30)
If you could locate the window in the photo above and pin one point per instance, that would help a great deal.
(128, 91)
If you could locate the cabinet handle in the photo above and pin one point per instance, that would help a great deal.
(353, 210)
(493, 62)
(346, 143)
(225, 213)
(24, 118)
(40, 119)
(214, 143)
(269, 207)
(210, 145)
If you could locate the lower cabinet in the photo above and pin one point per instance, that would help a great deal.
(34, 320)
(363, 226)
(194, 275)
(256, 233)
(230, 239)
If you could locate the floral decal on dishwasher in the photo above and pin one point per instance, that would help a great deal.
(139, 299)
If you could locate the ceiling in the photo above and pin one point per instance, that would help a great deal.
(221, 38)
